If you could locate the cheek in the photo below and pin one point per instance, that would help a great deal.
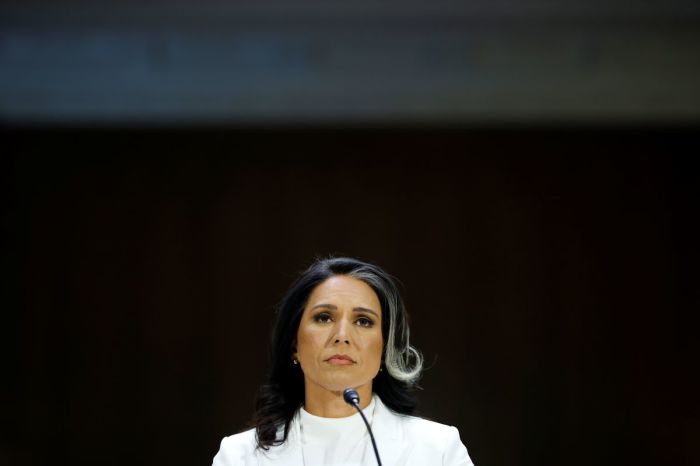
(308, 341)
(377, 346)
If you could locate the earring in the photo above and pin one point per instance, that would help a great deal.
(295, 361)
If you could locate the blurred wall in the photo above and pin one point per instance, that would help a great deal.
(554, 295)
(89, 62)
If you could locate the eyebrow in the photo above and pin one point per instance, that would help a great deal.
(355, 309)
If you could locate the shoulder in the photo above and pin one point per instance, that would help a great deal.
(414, 424)
(425, 438)
(236, 449)
(411, 426)
(416, 429)
(441, 439)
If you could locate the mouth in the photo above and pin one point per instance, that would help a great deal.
(340, 360)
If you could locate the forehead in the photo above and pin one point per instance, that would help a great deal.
(345, 288)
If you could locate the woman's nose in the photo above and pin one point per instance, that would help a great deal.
(341, 334)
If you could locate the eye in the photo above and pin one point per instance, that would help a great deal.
(322, 317)
(365, 322)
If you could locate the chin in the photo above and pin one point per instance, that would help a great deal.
(339, 384)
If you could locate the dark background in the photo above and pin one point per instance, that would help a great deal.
(528, 169)
(551, 277)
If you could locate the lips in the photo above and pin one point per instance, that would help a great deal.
(340, 360)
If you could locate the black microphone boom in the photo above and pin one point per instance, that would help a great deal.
(352, 398)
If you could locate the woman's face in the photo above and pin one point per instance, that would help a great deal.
(339, 341)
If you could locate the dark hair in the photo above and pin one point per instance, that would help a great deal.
(283, 392)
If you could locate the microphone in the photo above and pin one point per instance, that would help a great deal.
(353, 399)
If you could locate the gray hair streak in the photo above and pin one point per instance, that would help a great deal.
(403, 362)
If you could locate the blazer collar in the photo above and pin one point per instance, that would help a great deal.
(388, 433)
(289, 453)
(386, 426)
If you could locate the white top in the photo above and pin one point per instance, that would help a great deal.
(336, 441)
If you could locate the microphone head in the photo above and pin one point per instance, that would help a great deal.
(351, 397)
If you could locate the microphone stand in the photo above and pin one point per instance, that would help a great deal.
(353, 399)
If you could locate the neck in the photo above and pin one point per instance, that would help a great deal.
(326, 403)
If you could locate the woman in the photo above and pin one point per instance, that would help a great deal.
(341, 325)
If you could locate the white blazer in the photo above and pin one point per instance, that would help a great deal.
(401, 441)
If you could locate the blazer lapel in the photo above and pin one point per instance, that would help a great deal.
(288, 454)
(389, 435)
